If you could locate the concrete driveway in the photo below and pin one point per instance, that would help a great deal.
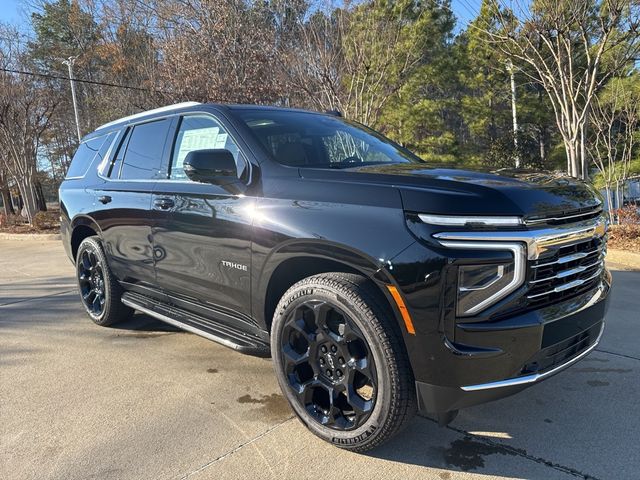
(144, 401)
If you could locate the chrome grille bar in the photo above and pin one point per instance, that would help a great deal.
(567, 286)
(569, 258)
(576, 217)
(569, 272)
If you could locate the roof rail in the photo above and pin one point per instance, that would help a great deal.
(168, 108)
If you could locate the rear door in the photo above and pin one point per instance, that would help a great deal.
(202, 238)
(123, 203)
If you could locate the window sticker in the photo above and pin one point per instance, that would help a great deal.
(221, 140)
(199, 139)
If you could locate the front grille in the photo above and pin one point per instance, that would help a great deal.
(565, 272)
(561, 352)
(568, 216)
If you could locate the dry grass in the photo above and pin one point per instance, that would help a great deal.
(625, 237)
(44, 222)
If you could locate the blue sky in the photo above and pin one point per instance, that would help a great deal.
(12, 11)
(465, 10)
(9, 11)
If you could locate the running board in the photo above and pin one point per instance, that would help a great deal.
(197, 324)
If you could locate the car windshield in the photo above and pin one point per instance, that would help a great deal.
(311, 140)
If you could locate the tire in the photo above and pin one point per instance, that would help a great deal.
(100, 292)
(339, 323)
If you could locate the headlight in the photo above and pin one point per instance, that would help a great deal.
(480, 286)
(477, 283)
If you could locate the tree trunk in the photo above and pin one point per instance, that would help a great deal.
(541, 146)
(572, 150)
(607, 189)
(584, 161)
(617, 198)
(29, 197)
(40, 200)
(6, 201)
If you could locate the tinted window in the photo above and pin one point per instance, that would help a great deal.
(84, 156)
(201, 132)
(143, 158)
(102, 157)
(305, 139)
(114, 167)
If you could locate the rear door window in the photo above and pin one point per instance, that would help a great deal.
(143, 157)
(84, 156)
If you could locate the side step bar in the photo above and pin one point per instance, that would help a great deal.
(202, 326)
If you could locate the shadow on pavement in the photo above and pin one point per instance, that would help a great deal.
(144, 323)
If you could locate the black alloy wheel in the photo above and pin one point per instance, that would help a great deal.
(329, 365)
(341, 362)
(91, 282)
(100, 292)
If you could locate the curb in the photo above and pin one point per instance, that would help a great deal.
(622, 257)
(30, 236)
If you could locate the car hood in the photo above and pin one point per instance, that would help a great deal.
(462, 192)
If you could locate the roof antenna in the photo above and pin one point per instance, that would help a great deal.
(335, 113)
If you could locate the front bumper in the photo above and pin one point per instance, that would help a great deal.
(530, 348)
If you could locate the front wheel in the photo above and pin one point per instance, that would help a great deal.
(100, 292)
(340, 361)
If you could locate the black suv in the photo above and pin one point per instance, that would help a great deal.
(378, 283)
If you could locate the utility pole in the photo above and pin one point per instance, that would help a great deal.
(69, 63)
(514, 111)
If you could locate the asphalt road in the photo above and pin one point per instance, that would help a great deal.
(144, 401)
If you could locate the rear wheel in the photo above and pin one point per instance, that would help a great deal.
(340, 361)
(100, 292)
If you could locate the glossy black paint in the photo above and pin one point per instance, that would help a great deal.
(170, 240)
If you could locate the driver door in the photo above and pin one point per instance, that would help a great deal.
(202, 232)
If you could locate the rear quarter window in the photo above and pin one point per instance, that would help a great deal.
(85, 155)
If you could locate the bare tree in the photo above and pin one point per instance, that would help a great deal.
(571, 48)
(314, 62)
(24, 117)
(614, 121)
(383, 45)
(217, 51)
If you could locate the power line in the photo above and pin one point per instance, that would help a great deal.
(91, 82)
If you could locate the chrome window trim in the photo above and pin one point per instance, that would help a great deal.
(535, 377)
(124, 128)
(519, 268)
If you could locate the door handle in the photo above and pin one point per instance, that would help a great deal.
(104, 199)
(163, 203)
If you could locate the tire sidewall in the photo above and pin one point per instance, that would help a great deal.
(92, 244)
(366, 432)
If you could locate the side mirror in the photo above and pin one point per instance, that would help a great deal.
(216, 166)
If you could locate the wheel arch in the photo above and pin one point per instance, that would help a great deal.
(81, 228)
(297, 260)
